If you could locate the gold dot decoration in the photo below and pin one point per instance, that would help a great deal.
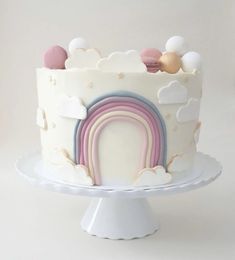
(90, 84)
(121, 75)
(52, 80)
(168, 116)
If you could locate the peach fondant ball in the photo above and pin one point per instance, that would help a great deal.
(54, 58)
(170, 62)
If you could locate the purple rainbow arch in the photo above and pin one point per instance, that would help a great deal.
(120, 106)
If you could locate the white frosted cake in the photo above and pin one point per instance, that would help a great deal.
(127, 119)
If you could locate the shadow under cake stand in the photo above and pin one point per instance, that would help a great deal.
(121, 212)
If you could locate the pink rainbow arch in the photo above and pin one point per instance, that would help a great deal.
(120, 106)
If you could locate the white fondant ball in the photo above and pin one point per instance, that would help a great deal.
(78, 43)
(176, 44)
(191, 61)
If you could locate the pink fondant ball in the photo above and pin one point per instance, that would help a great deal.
(54, 58)
(151, 52)
(150, 58)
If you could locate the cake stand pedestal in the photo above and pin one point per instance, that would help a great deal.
(121, 212)
(117, 218)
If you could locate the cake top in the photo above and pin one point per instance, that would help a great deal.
(174, 58)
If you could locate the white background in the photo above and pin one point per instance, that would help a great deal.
(37, 224)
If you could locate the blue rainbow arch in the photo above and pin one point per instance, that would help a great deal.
(122, 105)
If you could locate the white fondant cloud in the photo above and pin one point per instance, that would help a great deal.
(173, 93)
(76, 174)
(71, 107)
(182, 162)
(81, 58)
(188, 112)
(129, 61)
(41, 118)
(58, 156)
(66, 170)
(153, 176)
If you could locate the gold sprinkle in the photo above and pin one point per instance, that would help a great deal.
(53, 125)
(198, 126)
(121, 75)
(168, 116)
(54, 82)
(90, 84)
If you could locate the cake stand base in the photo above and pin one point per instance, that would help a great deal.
(116, 218)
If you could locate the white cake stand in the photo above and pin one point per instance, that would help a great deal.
(121, 212)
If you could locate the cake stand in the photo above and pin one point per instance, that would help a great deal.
(121, 212)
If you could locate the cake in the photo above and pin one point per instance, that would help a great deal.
(129, 119)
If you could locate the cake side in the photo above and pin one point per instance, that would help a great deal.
(122, 144)
(126, 119)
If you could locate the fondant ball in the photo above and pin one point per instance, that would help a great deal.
(54, 58)
(151, 52)
(150, 58)
(176, 44)
(191, 61)
(78, 43)
(170, 62)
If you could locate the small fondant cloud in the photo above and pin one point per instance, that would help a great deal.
(173, 93)
(66, 170)
(153, 176)
(75, 174)
(188, 112)
(182, 162)
(41, 118)
(71, 107)
(129, 61)
(82, 58)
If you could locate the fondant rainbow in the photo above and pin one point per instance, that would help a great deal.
(120, 106)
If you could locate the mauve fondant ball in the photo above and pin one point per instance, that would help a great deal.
(54, 58)
(150, 57)
(176, 44)
(151, 52)
(191, 61)
(170, 62)
(78, 43)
